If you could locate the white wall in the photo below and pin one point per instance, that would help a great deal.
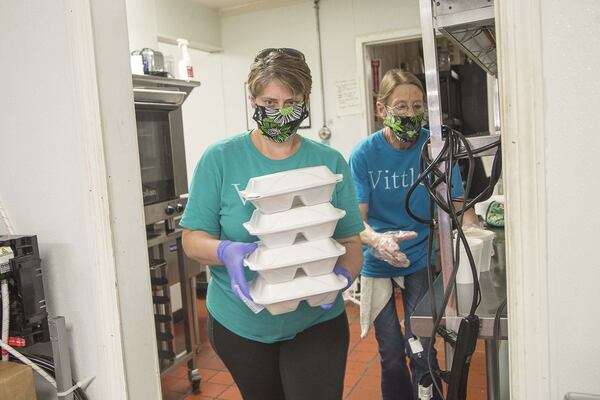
(203, 110)
(548, 99)
(127, 224)
(342, 21)
(199, 24)
(571, 38)
(66, 159)
(142, 25)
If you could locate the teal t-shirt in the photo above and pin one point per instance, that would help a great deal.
(383, 176)
(216, 207)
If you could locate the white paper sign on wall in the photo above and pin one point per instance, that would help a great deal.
(347, 96)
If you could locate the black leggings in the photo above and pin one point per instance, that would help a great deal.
(310, 366)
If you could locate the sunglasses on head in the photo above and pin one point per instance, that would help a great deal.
(284, 50)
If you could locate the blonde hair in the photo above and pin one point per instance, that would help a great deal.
(394, 78)
(291, 71)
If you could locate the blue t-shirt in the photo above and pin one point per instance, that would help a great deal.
(382, 176)
(215, 206)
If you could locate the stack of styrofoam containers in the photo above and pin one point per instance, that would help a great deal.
(295, 222)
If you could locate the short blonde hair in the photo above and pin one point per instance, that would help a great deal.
(291, 71)
(394, 78)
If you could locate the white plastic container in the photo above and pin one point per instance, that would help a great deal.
(464, 274)
(281, 264)
(280, 298)
(280, 191)
(185, 69)
(279, 230)
(487, 251)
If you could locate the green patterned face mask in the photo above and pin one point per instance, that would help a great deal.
(406, 129)
(280, 124)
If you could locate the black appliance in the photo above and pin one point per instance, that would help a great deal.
(27, 311)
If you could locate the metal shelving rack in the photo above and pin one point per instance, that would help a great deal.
(470, 25)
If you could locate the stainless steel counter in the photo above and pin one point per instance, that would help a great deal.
(493, 292)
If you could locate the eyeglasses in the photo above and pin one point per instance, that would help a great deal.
(284, 50)
(402, 109)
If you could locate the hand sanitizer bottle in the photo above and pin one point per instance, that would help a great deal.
(185, 69)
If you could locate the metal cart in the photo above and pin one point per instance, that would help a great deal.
(470, 25)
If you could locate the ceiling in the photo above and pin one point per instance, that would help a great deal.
(241, 6)
(219, 4)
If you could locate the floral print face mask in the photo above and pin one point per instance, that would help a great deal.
(406, 129)
(280, 124)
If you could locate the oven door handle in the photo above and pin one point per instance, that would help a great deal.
(157, 96)
(161, 106)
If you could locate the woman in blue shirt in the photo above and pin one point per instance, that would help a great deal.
(301, 354)
(384, 167)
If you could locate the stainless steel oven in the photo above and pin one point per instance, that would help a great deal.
(161, 146)
(160, 142)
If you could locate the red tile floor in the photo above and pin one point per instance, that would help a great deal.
(362, 372)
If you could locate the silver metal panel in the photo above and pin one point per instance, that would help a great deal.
(149, 81)
(60, 355)
(475, 17)
(157, 212)
(456, 6)
(158, 95)
(178, 152)
(435, 128)
(581, 396)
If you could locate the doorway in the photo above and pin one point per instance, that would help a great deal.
(463, 84)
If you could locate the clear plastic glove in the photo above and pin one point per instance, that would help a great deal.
(232, 255)
(346, 274)
(385, 246)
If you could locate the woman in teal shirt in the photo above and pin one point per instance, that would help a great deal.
(297, 355)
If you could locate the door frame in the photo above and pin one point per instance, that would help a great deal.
(363, 64)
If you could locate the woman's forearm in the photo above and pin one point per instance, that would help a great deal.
(368, 235)
(201, 246)
(353, 258)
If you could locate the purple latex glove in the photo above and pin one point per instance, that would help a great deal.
(232, 255)
(346, 274)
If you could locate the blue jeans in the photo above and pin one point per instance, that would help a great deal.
(393, 345)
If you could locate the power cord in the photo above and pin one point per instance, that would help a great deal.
(455, 146)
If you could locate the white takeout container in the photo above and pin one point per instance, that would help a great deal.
(283, 190)
(278, 230)
(280, 298)
(281, 264)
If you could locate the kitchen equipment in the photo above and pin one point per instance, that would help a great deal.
(279, 298)
(281, 191)
(281, 229)
(173, 275)
(154, 63)
(283, 263)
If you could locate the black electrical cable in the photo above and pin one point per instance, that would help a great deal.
(47, 364)
(431, 177)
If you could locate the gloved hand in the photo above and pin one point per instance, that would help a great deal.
(232, 254)
(346, 274)
(384, 246)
